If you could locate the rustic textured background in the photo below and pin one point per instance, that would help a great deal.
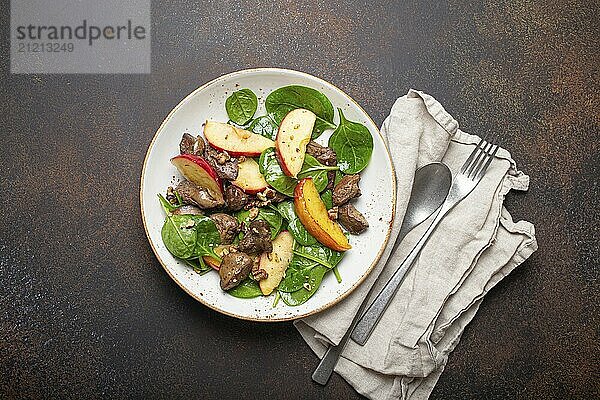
(86, 311)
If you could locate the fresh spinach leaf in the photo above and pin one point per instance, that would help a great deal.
(241, 106)
(230, 122)
(298, 231)
(353, 145)
(198, 265)
(305, 272)
(327, 198)
(189, 236)
(273, 218)
(271, 170)
(248, 289)
(166, 205)
(338, 177)
(338, 277)
(320, 254)
(270, 216)
(207, 238)
(296, 274)
(314, 169)
(264, 126)
(283, 100)
(179, 235)
(315, 277)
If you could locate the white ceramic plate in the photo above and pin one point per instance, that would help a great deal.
(377, 202)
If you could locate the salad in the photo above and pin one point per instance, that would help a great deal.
(261, 202)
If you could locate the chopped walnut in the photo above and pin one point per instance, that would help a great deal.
(333, 213)
(269, 193)
(253, 213)
(223, 158)
(260, 274)
(265, 198)
(257, 204)
(261, 196)
(257, 272)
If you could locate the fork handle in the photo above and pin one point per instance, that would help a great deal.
(327, 364)
(371, 317)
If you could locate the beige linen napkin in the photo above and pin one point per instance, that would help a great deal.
(474, 247)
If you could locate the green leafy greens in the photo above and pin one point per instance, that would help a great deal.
(305, 272)
(241, 106)
(270, 216)
(286, 209)
(353, 145)
(319, 254)
(248, 289)
(309, 287)
(264, 126)
(190, 236)
(283, 100)
(271, 170)
(327, 198)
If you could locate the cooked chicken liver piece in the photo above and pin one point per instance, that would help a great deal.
(257, 238)
(234, 269)
(346, 189)
(278, 198)
(225, 166)
(187, 144)
(352, 219)
(227, 226)
(200, 146)
(235, 198)
(191, 145)
(192, 194)
(188, 210)
(324, 155)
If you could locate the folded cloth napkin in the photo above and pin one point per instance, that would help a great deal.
(474, 247)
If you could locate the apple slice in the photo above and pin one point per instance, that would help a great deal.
(198, 171)
(276, 262)
(221, 250)
(293, 136)
(312, 213)
(249, 178)
(235, 141)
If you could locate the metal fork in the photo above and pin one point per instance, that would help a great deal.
(463, 183)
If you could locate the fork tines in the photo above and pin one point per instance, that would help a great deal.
(479, 160)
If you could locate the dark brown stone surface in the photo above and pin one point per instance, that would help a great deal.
(86, 311)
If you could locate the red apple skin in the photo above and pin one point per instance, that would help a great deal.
(217, 189)
(284, 168)
(202, 163)
(211, 262)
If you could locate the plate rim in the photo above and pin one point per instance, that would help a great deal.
(199, 298)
